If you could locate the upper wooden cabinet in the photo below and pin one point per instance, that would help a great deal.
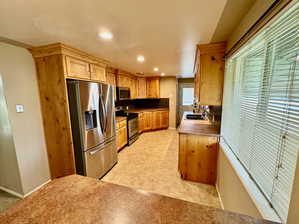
(125, 79)
(77, 68)
(209, 68)
(98, 73)
(141, 88)
(153, 87)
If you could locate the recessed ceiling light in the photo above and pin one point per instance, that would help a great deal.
(140, 58)
(162, 74)
(106, 35)
(156, 69)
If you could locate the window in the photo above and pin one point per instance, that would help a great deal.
(260, 120)
(188, 94)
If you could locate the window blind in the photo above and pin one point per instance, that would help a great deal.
(260, 120)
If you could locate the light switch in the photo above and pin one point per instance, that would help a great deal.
(19, 108)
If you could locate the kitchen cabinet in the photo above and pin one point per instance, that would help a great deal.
(164, 119)
(121, 134)
(141, 121)
(54, 64)
(97, 73)
(154, 120)
(148, 119)
(76, 68)
(141, 88)
(153, 87)
(209, 70)
(134, 88)
(125, 79)
(198, 158)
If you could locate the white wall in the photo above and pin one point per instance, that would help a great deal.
(233, 194)
(168, 89)
(9, 168)
(20, 87)
(255, 12)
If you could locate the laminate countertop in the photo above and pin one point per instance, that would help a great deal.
(199, 127)
(76, 199)
(140, 110)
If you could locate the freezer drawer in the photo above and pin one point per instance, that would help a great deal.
(101, 159)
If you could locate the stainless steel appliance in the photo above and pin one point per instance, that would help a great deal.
(132, 125)
(123, 93)
(93, 127)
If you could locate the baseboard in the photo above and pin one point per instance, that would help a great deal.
(221, 203)
(37, 188)
(21, 195)
(11, 192)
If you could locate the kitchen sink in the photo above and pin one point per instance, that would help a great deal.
(194, 117)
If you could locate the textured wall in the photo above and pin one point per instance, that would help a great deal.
(168, 89)
(20, 87)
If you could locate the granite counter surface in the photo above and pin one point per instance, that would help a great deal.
(77, 199)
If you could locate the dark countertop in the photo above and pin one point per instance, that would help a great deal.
(198, 127)
(140, 110)
(77, 199)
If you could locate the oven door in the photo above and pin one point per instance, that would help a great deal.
(133, 127)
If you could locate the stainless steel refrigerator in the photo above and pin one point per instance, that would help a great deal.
(93, 127)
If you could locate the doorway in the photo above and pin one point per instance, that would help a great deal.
(186, 96)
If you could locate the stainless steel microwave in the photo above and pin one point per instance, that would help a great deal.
(123, 93)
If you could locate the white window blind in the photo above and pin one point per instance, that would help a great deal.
(260, 120)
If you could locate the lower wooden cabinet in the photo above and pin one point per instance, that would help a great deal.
(198, 158)
(121, 134)
(141, 122)
(148, 117)
(154, 120)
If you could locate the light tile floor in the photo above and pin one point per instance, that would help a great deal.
(6, 200)
(151, 164)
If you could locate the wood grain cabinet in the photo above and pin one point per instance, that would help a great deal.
(141, 121)
(97, 73)
(198, 158)
(148, 118)
(121, 134)
(209, 70)
(76, 68)
(153, 87)
(164, 119)
(54, 64)
(141, 83)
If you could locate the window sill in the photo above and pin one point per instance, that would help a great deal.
(257, 197)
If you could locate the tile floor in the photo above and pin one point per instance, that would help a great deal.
(151, 164)
(6, 200)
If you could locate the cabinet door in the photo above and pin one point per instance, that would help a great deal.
(98, 73)
(141, 122)
(121, 137)
(133, 88)
(164, 119)
(156, 120)
(76, 68)
(198, 158)
(111, 79)
(211, 79)
(148, 120)
(153, 87)
(141, 88)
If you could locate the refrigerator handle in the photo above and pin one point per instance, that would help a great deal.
(103, 115)
(101, 147)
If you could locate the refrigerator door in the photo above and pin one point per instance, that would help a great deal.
(107, 113)
(92, 127)
(100, 159)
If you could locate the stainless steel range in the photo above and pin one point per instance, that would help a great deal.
(132, 125)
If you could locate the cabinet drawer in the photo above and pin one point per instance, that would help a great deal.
(76, 68)
(98, 73)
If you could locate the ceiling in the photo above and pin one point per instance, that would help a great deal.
(164, 31)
